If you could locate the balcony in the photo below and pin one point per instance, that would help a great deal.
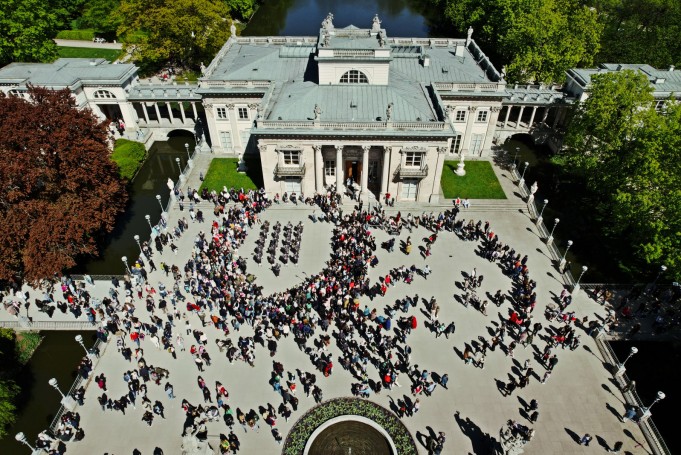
(296, 170)
(408, 172)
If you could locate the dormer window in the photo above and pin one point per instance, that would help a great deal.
(354, 77)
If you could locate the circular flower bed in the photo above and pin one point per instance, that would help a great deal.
(317, 416)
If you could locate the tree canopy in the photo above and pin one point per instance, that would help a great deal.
(26, 31)
(183, 32)
(60, 189)
(537, 40)
(627, 152)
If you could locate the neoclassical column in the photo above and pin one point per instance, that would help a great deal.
(318, 168)
(339, 168)
(508, 113)
(158, 112)
(146, 114)
(385, 170)
(491, 128)
(469, 127)
(534, 112)
(520, 117)
(170, 112)
(182, 114)
(365, 169)
(196, 116)
(546, 114)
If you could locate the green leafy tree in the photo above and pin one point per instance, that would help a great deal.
(626, 151)
(182, 32)
(102, 16)
(8, 392)
(26, 31)
(537, 40)
(242, 9)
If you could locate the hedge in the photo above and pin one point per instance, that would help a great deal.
(85, 34)
(129, 156)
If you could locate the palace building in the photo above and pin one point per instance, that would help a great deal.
(350, 105)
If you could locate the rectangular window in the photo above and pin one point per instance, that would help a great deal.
(456, 144)
(222, 113)
(291, 157)
(330, 168)
(460, 116)
(482, 116)
(226, 140)
(476, 143)
(414, 159)
(243, 113)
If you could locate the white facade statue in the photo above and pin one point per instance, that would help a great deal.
(317, 111)
(376, 24)
(327, 23)
(389, 112)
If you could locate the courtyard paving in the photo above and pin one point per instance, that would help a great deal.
(579, 397)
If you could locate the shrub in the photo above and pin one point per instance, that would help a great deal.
(129, 156)
(86, 34)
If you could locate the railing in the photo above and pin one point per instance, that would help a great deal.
(352, 53)
(79, 380)
(277, 124)
(648, 428)
(49, 325)
(411, 172)
(454, 87)
(289, 171)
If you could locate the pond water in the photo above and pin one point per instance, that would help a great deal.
(57, 357)
(150, 180)
(400, 18)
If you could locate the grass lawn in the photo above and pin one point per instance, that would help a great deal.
(222, 172)
(129, 156)
(88, 52)
(480, 182)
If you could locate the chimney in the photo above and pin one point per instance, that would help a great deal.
(459, 50)
(671, 68)
(425, 60)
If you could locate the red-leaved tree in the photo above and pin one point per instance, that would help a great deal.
(58, 188)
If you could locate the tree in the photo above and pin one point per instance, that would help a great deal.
(627, 152)
(8, 392)
(101, 15)
(537, 40)
(26, 31)
(243, 9)
(182, 32)
(60, 190)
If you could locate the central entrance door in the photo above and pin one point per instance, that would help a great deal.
(353, 170)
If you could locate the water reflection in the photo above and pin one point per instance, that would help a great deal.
(401, 18)
(150, 181)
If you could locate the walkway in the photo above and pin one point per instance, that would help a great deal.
(579, 397)
(85, 43)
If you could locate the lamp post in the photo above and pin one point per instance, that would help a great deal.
(646, 411)
(137, 239)
(21, 437)
(522, 176)
(541, 213)
(160, 204)
(79, 339)
(67, 401)
(555, 223)
(186, 147)
(620, 367)
(125, 261)
(576, 288)
(663, 268)
(515, 158)
(562, 260)
(148, 218)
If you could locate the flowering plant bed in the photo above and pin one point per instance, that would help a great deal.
(317, 416)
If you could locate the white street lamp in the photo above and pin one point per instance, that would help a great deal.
(186, 147)
(158, 198)
(137, 239)
(562, 260)
(67, 401)
(177, 160)
(148, 218)
(79, 339)
(522, 176)
(539, 218)
(127, 267)
(21, 437)
(646, 411)
(576, 288)
(555, 223)
(621, 369)
(663, 268)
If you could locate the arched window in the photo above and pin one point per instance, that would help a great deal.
(14, 92)
(354, 77)
(104, 94)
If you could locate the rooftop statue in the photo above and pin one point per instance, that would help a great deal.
(376, 25)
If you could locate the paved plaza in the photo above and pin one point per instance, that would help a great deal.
(579, 397)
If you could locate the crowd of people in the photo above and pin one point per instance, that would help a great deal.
(211, 283)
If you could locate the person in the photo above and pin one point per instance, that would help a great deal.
(586, 439)
(444, 379)
(630, 414)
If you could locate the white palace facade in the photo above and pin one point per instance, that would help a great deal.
(348, 104)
